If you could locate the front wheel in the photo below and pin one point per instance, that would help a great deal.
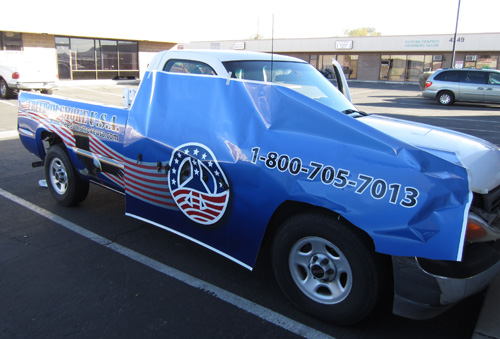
(327, 268)
(64, 183)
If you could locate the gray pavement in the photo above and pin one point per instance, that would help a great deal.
(488, 323)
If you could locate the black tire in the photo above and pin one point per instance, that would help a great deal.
(446, 98)
(5, 91)
(326, 268)
(67, 188)
(46, 91)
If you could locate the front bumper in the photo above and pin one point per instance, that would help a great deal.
(425, 288)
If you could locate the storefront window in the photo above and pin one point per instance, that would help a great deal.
(397, 68)
(11, 41)
(325, 62)
(349, 65)
(63, 58)
(414, 67)
(384, 67)
(487, 62)
(428, 63)
(80, 58)
(407, 67)
(314, 61)
(437, 62)
(107, 59)
(128, 51)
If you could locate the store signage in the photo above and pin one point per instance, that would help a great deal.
(239, 45)
(423, 43)
(343, 44)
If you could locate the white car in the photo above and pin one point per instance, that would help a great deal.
(20, 70)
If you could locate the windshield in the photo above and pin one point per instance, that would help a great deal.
(301, 77)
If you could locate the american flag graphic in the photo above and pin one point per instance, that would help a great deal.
(141, 180)
(197, 183)
(54, 126)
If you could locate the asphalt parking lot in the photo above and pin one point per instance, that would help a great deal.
(91, 272)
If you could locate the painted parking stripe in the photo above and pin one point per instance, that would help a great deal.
(8, 103)
(6, 135)
(233, 299)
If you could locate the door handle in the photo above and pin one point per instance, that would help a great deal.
(480, 88)
(489, 89)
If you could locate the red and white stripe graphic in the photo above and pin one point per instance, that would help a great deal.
(199, 206)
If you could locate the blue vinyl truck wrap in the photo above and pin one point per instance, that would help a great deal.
(239, 150)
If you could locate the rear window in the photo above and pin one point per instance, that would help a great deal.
(188, 66)
(453, 76)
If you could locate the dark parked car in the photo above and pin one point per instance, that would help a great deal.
(450, 85)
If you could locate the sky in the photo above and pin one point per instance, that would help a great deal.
(197, 20)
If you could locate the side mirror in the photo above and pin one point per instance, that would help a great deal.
(342, 85)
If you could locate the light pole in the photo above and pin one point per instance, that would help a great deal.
(455, 38)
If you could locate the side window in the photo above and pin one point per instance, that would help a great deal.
(474, 77)
(188, 66)
(448, 76)
(494, 79)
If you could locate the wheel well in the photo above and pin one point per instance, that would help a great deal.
(289, 208)
(49, 139)
(445, 91)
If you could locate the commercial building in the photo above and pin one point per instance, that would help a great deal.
(83, 58)
(382, 58)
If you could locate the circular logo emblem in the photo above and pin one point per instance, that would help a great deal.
(197, 183)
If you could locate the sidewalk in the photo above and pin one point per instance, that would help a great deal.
(488, 323)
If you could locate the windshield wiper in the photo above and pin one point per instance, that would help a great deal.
(355, 113)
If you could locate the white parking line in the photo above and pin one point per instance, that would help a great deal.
(6, 135)
(8, 103)
(233, 299)
(100, 92)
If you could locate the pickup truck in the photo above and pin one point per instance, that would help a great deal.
(25, 70)
(239, 151)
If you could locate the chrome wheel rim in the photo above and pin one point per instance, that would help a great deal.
(445, 99)
(320, 270)
(58, 176)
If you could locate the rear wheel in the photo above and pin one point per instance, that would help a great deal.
(64, 183)
(5, 91)
(446, 98)
(327, 268)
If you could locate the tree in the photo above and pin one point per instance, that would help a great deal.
(363, 31)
